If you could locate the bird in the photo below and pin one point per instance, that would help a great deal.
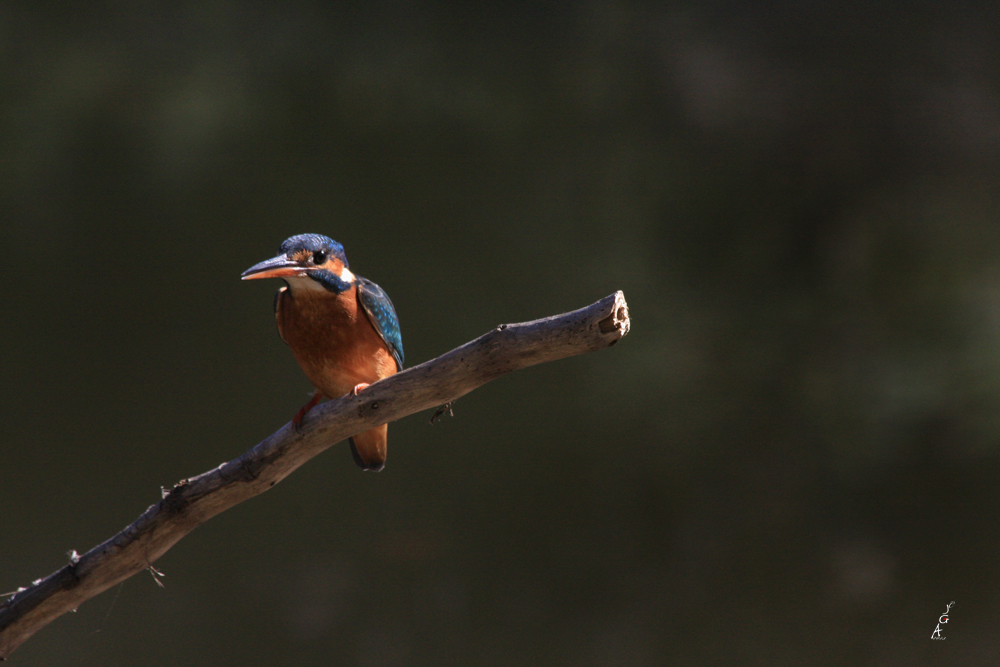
(341, 328)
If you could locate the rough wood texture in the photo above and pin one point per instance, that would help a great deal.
(193, 501)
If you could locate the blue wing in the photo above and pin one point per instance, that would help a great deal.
(382, 315)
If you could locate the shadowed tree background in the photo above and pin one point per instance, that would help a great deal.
(792, 459)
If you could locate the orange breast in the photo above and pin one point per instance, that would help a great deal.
(333, 341)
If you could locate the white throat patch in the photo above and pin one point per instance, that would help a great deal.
(304, 284)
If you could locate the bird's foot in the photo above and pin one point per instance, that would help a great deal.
(297, 419)
(361, 386)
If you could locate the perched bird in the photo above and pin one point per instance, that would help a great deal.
(341, 328)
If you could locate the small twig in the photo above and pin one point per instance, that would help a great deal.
(157, 576)
(194, 501)
(441, 410)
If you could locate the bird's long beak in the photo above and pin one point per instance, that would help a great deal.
(276, 267)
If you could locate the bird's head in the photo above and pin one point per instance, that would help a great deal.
(307, 261)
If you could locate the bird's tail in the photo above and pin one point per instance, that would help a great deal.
(370, 448)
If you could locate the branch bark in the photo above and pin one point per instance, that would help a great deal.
(193, 501)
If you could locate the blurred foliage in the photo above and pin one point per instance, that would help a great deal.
(793, 458)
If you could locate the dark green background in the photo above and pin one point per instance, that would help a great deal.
(792, 459)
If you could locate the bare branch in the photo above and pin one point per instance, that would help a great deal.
(193, 501)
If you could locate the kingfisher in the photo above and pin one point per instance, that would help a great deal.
(341, 328)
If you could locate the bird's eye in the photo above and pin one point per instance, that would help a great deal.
(319, 257)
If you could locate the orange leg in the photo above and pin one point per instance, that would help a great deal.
(297, 419)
